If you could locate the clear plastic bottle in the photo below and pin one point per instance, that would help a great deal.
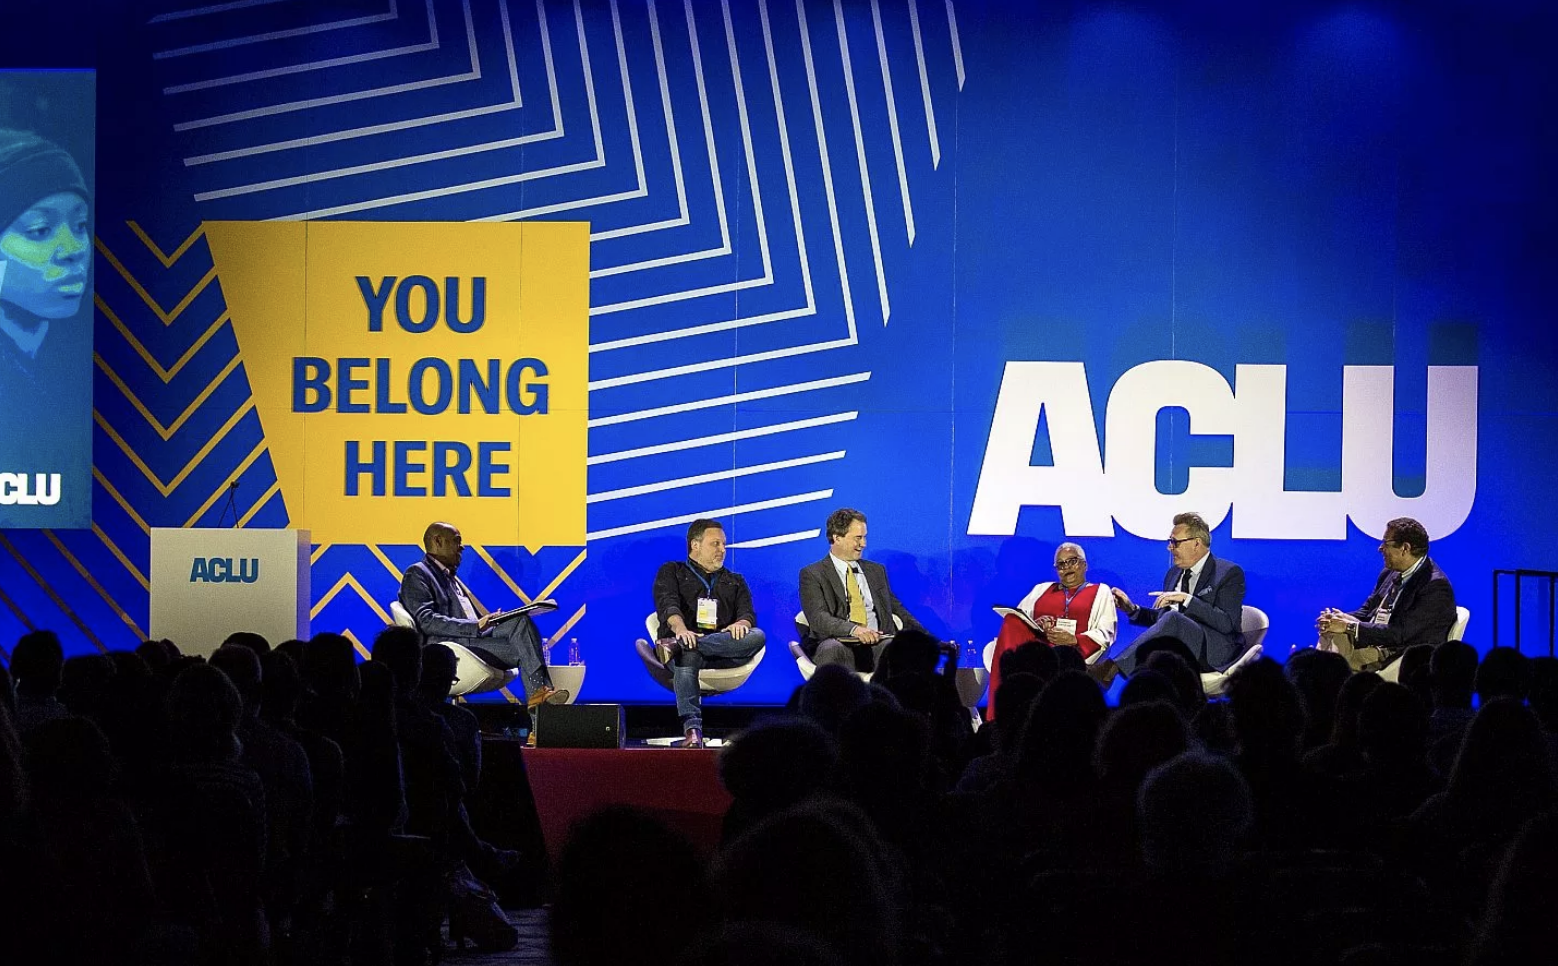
(574, 657)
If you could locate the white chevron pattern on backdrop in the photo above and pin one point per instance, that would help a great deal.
(692, 136)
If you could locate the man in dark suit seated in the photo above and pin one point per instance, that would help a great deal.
(1201, 604)
(445, 611)
(848, 604)
(1412, 603)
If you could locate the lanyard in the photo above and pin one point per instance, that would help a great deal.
(708, 583)
(1394, 594)
(1070, 597)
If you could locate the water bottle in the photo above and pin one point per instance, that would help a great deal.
(574, 658)
(523, 725)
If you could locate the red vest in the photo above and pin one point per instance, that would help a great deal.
(1053, 604)
(1050, 605)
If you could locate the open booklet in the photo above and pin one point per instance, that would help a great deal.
(534, 607)
(1021, 615)
(855, 640)
(1039, 627)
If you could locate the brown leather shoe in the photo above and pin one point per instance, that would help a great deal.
(1104, 671)
(667, 650)
(546, 695)
(693, 739)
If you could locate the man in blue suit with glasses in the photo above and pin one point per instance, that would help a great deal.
(1201, 605)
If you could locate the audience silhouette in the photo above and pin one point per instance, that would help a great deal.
(296, 804)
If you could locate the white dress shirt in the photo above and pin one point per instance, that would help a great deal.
(466, 606)
(1387, 604)
(1195, 579)
(865, 591)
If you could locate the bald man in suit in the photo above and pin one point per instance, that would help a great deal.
(445, 611)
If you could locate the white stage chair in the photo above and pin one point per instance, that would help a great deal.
(1254, 624)
(711, 680)
(472, 675)
(1392, 671)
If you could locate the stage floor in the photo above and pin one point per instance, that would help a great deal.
(644, 721)
(533, 948)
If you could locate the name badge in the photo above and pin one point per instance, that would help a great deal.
(708, 613)
(1382, 616)
(1067, 625)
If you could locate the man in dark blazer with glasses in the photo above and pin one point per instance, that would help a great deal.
(1412, 603)
(1201, 605)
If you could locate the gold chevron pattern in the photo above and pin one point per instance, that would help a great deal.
(92, 586)
(176, 422)
(348, 581)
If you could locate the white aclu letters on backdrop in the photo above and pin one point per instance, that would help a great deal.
(1094, 493)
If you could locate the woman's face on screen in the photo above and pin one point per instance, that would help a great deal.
(46, 251)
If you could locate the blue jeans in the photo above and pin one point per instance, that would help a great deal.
(718, 650)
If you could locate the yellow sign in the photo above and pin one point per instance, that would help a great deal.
(411, 372)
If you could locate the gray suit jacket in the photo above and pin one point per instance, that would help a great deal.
(826, 604)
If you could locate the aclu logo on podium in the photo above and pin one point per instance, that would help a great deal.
(224, 570)
(15, 491)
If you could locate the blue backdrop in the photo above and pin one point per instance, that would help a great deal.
(820, 233)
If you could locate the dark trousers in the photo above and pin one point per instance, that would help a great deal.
(1171, 625)
(861, 658)
(514, 643)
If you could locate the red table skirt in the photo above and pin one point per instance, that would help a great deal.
(678, 786)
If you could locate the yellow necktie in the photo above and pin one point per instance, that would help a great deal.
(857, 603)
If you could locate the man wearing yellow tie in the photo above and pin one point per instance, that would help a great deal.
(848, 604)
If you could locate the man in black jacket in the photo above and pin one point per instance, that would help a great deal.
(1412, 603)
(848, 603)
(706, 620)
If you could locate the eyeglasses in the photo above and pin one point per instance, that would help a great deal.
(1068, 563)
(1174, 544)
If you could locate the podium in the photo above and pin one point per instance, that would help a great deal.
(209, 583)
